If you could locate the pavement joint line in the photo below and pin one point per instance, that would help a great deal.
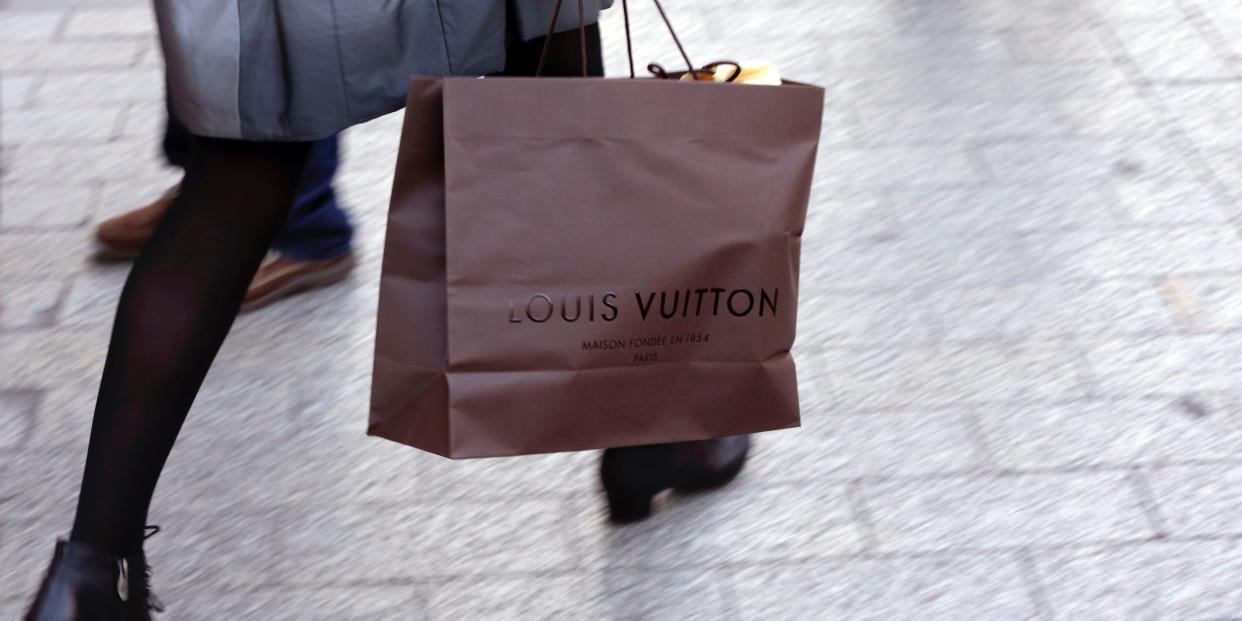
(1069, 282)
(62, 25)
(1035, 550)
(864, 525)
(1004, 472)
(730, 602)
(1087, 376)
(985, 454)
(1208, 30)
(1147, 499)
(1020, 342)
(1052, 342)
(1034, 586)
(1168, 399)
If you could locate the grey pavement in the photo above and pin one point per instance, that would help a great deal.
(1021, 337)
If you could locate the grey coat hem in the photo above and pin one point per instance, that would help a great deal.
(305, 69)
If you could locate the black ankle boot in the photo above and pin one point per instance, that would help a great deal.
(633, 475)
(86, 583)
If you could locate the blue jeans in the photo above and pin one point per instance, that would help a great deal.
(317, 228)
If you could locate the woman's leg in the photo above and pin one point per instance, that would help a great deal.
(177, 306)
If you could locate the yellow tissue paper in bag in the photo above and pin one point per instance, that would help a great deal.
(756, 72)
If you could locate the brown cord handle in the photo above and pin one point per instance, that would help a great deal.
(658, 70)
(547, 40)
(629, 47)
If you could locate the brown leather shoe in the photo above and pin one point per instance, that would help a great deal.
(122, 237)
(280, 277)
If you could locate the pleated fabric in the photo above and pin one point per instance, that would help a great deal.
(306, 69)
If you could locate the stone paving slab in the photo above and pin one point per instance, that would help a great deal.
(671, 595)
(1009, 511)
(1114, 433)
(1160, 580)
(1018, 352)
(946, 588)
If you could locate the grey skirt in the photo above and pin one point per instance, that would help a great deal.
(306, 69)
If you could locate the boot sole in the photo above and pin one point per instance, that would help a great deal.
(717, 480)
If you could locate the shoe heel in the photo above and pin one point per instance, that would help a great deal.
(628, 506)
(631, 477)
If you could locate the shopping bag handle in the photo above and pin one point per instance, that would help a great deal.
(658, 70)
(547, 40)
(629, 47)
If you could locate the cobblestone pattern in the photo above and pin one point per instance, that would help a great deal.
(1020, 348)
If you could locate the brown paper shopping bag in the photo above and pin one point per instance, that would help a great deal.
(583, 263)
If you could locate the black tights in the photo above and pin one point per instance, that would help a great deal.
(182, 296)
(175, 310)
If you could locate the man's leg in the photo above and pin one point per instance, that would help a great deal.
(314, 248)
(317, 228)
(122, 237)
